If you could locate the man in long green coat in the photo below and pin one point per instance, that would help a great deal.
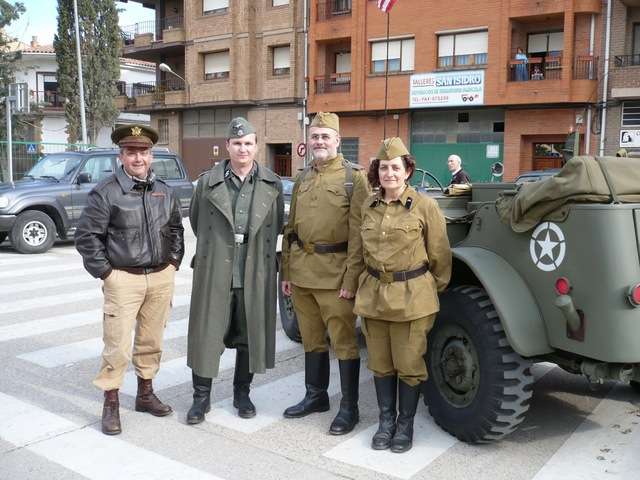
(236, 214)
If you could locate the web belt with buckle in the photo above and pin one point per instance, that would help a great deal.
(239, 238)
(310, 247)
(390, 277)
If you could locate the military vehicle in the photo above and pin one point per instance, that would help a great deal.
(542, 272)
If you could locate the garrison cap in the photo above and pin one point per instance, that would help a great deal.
(239, 127)
(392, 148)
(134, 136)
(326, 120)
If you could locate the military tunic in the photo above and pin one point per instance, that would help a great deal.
(402, 235)
(321, 213)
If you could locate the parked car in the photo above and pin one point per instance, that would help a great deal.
(50, 198)
(536, 175)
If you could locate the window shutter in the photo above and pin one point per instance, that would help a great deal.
(281, 57)
(216, 62)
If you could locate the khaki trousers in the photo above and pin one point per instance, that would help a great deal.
(133, 301)
(398, 347)
(322, 310)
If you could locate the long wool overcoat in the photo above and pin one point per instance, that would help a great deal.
(212, 222)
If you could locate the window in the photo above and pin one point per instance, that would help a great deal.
(278, 3)
(545, 44)
(636, 39)
(166, 168)
(163, 130)
(349, 148)
(498, 127)
(211, 7)
(209, 122)
(463, 117)
(216, 65)
(400, 59)
(98, 168)
(280, 56)
(463, 49)
(631, 114)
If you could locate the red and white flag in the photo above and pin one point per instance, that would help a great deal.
(386, 5)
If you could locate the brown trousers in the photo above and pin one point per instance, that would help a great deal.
(133, 301)
(322, 310)
(398, 347)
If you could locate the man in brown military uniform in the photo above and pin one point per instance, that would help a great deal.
(321, 262)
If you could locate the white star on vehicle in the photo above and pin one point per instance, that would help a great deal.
(547, 246)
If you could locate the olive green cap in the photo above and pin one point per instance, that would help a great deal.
(326, 120)
(134, 136)
(391, 148)
(239, 127)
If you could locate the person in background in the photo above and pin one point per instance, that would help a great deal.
(521, 68)
(458, 175)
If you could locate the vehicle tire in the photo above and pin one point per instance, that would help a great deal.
(635, 386)
(288, 316)
(3, 236)
(479, 389)
(33, 232)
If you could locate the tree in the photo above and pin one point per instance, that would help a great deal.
(100, 44)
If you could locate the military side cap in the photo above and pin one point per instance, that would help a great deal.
(239, 127)
(326, 120)
(134, 136)
(392, 148)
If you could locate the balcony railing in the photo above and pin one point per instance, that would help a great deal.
(47, 99)
(536, 68)
(328, 9)
(157, 89)
(586, 68)
(470, 60)
(622, 61)
(336, 82)
(151, 26)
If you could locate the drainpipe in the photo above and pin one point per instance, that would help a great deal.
(306, 73)
(605, 86)
(587, 143)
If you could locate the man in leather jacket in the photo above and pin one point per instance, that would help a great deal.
(130, 235)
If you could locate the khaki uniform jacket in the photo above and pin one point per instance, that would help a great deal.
(400, 236)
(212, 222)
(320, 212)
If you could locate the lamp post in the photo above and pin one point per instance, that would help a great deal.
(167, 69)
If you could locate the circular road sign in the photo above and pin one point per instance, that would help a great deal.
(301, 149)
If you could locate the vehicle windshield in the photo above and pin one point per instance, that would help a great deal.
(55, 166)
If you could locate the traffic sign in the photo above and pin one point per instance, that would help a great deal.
(301, 149)
(31, 148)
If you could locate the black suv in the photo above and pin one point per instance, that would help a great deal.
(53, 194)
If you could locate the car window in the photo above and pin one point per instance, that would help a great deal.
(57, 166)
(98, 168)
(166, 168)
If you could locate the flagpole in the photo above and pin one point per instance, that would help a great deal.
(386, 82)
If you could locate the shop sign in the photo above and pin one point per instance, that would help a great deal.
(630, 138)
(447, 89)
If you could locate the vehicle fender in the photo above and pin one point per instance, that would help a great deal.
(515, 305)
(32, 203)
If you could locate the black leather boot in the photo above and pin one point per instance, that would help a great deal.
(348, 415)
(407, 404)
(201, 399)
(241, 385)
(316, 379)
(386, 389)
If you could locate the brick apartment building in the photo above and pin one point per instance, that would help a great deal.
(240, 57)
(455, 84)
(622, 125)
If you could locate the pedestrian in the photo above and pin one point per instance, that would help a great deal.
(236, 214)
(130, 235)
(321, 262)
(458, 175)
(408, 261)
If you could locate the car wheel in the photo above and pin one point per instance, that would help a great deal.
(33, 232)
(479, 388)
(635, 385)
(288, 316)
(3, 236)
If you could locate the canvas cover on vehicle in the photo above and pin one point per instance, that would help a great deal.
(583, 179)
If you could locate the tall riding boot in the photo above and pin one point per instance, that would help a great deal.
(386, 389)
(316, 379)
(407, 405)
(242, 378)
(111, 413)
(146, 400)
(201, 399)
(348, 415)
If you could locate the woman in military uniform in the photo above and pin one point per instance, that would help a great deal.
(408, 261)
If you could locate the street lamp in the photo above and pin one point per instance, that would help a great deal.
(167, 69)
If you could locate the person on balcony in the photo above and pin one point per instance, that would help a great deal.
(521, 68)
(537, 74)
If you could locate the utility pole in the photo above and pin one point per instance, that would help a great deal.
(83, 118)
(9, 138)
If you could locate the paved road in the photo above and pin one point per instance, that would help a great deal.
(50, 425)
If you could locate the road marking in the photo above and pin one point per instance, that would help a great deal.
(84, 450)
(34, 272)
(429, 442)
(25, 260)
(605, 444)
(271, 399)
(39, 301)
(62, 322)
(176, 372)
(71, 353)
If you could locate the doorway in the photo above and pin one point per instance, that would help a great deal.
(281, 155)
(547, 155)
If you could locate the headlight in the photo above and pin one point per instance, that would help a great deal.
(4, 202)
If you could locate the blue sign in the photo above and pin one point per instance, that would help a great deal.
(31, 148)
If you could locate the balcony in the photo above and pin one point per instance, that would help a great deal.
(151, 95)
(153, 35)
(47, 99)
(329, 9)
(535, 69)
(335, 82)
(623, 61)
(586, 67)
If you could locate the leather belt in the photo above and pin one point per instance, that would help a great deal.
(143, 270)
(309, 247)
(390, 277)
